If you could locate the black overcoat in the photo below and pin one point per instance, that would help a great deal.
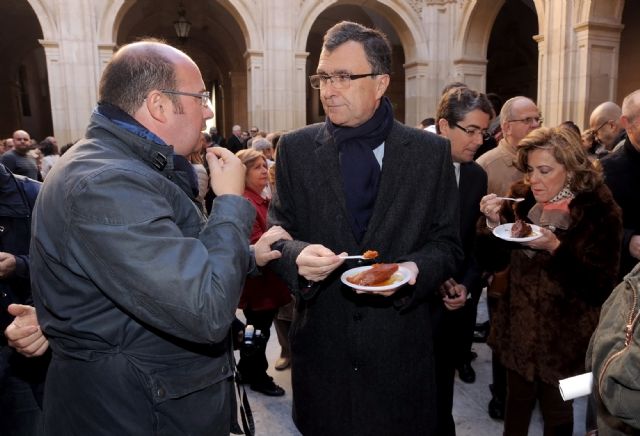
(363, 364)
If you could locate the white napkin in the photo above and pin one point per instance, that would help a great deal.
(575, 387)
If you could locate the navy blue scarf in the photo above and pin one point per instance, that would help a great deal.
(127, 122)
(359, 166)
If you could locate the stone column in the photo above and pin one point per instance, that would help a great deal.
(57, 91)
(419, 102)
(71, 64)
(598, 46)
(255, 88)
(472, 71)
(298, 109)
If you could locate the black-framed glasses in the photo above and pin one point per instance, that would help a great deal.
(472, 131)
(205, 97)
(529, 121)
(339, 81)
(595, 132)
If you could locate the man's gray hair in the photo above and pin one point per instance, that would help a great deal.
(375, 43)
(506, 113)
(631, 105)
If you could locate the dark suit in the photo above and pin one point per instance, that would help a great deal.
(363, 364)
(235, 144)
(622, 176)
(453, 330)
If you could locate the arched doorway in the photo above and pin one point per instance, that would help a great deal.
(367, 17)
(512, 54)
(216, 43)
(24, 87)
(629, 60)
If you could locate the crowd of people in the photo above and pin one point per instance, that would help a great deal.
(122, 280)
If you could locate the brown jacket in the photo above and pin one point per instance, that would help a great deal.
(542, 325)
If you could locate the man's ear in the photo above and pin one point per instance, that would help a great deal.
(383, 84)
(624, 122)
(443, 126)
(157, 106)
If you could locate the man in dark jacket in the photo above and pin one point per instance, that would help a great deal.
(622, 176)
(21, 379)
(463, 117)
(362, 363)
(134, 287)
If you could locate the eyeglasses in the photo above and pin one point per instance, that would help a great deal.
(339, 81)
(595, 132)
(205, 97)
(529, 120)
(473, 131)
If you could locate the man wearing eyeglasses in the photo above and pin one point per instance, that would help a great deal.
(606, 127)
(463, 117)
(134, 288)
(362, 363)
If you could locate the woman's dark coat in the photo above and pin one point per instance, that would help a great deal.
(542, 325)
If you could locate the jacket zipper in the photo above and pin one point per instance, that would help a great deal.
(632, 321)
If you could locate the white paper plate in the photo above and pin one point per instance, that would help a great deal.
(504, 232)
(399, 278)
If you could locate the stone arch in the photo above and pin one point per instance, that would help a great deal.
(45, 17)
(472, 40)
(400, 15)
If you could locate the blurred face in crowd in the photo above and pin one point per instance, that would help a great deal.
(545, 174)
(354, 103)
(467, 136)
(21, 142)
(525, 117)
(257, 175)
(632, 127)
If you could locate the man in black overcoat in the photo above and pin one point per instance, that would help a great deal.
(362, 363)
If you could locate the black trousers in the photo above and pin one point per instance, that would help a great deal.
(253, 360)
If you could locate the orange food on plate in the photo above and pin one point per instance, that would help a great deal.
(377, 275)
(370, 254)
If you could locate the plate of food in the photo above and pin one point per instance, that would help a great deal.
(377, 277)
(518, 231)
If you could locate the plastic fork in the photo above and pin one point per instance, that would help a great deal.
(517, 200)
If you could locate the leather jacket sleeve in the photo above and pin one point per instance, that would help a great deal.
(144, 263)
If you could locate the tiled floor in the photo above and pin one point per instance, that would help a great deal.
(273, 415)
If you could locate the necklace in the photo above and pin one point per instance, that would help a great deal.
(565, 192)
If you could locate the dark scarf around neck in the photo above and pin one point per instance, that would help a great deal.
(359, 166)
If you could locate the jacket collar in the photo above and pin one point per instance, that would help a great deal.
(159, 156)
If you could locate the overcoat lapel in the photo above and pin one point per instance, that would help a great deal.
(329, 166)
(391, 182)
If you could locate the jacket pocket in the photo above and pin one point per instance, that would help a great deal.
(179, 381)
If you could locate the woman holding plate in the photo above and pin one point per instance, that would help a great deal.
(557, 281)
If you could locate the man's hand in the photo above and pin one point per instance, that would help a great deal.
(262, 248)
(7, 264)
(454, 295)
(315, 262)
(226, 170)
(24, 333)
(634, 246)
